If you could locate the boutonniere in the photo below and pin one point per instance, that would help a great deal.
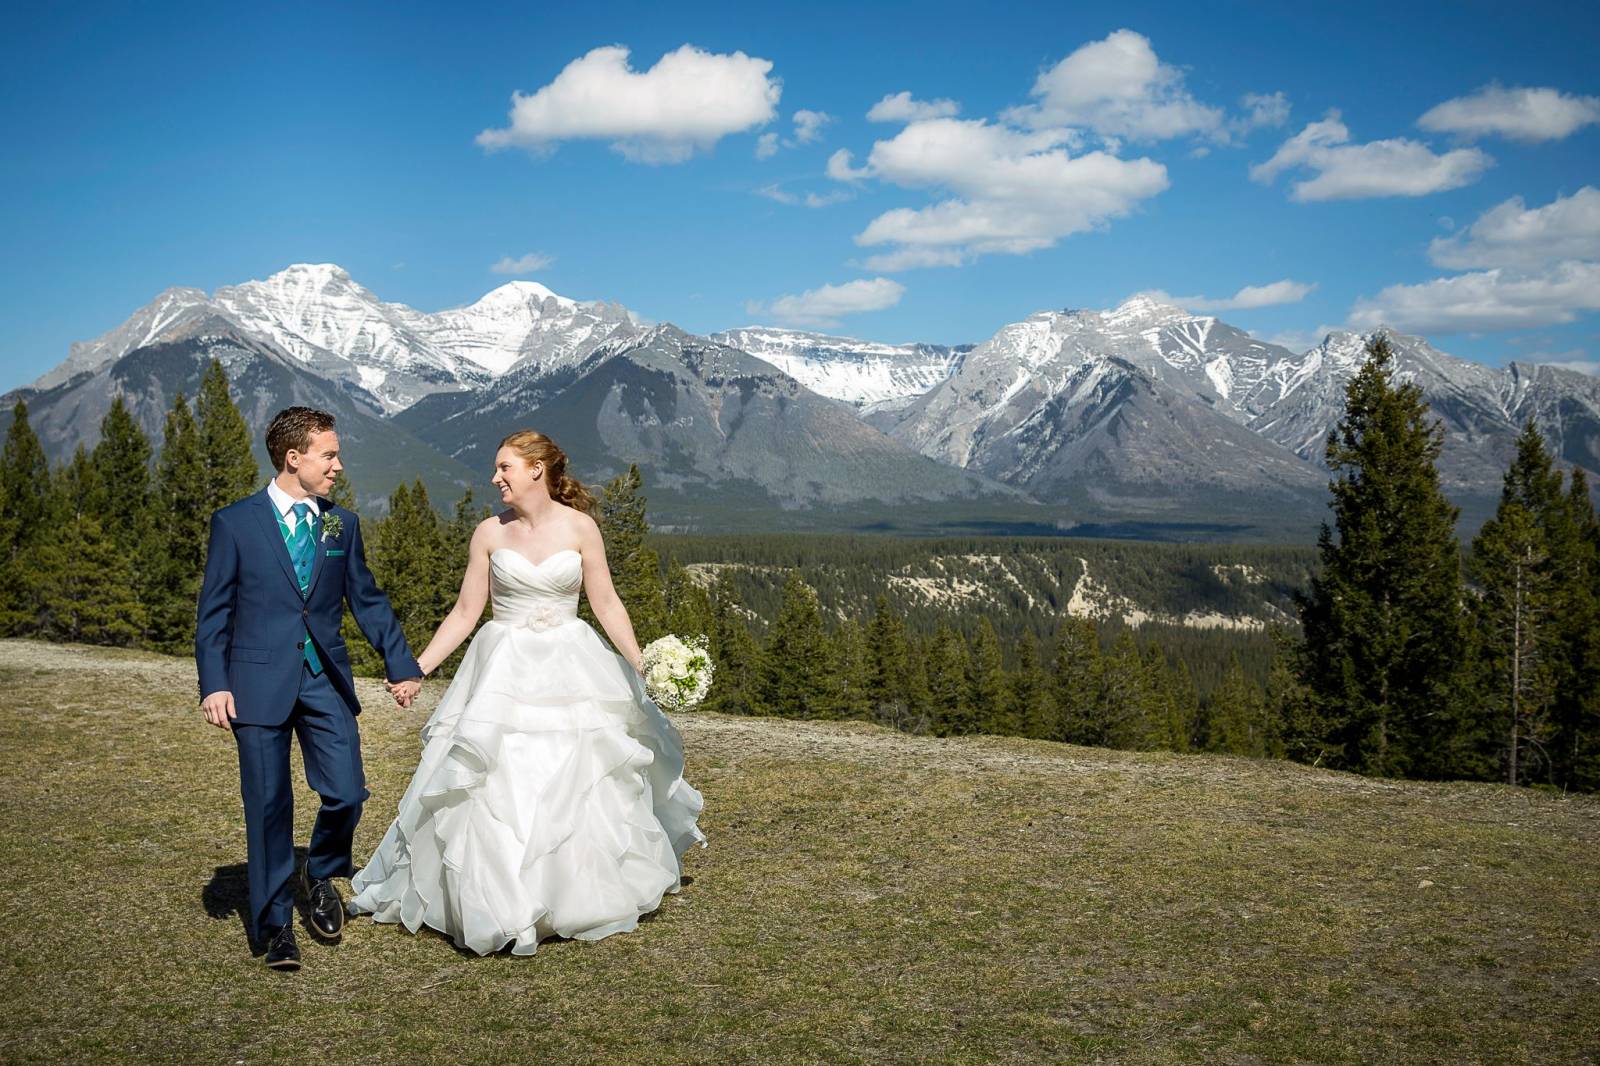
(332, 527)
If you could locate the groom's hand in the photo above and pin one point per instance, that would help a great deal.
(219, 709)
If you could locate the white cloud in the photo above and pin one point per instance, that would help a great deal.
(1119, 88)
(685, 103)
(1270, 109)
(824, 306)
(766, 146)
(902, 107)
(808, 125)
(1518, 114)
(1346, 171)
(1511, 235)
(1014, 191)
(1572, 359)
(1485, 301)
(1250, 297)
(839, 168)
(780, 195)
(526, 264)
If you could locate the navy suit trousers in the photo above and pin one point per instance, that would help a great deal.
(330, 745)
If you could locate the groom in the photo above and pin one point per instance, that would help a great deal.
(280, 567)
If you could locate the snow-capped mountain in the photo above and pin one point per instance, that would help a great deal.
(338, 329)
(858, 372)
(1121, 410)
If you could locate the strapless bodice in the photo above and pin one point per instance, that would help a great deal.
(539, 595)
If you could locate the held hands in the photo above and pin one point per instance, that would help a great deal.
(404, 691)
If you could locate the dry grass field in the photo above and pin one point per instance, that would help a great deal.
(867, 896)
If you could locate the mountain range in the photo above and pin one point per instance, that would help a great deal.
(1142, 419)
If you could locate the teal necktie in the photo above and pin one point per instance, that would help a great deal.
(301, 552)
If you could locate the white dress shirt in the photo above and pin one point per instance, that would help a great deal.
(285, 504)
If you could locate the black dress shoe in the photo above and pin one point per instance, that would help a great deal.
(327, 909)
(282, 952)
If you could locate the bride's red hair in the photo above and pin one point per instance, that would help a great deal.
(535, 447)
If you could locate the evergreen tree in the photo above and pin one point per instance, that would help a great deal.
(1033, 704)
(735, 656)
(1238, 722)
(123, 501)
(1384, 619)
(1289, 702)
(688, 603)
(1170, 719)
(1077, 678)
(991, 689)
(949, 693)
(888, 667)
(1184, 704)
(794, 664)
(182, 533)
(1126, 708)
(24, 502)
(1517, 563)
(406, 553)
(1575, 746)
(849, 654)
(231, 472)
(344, 494)
(86, 591)
(635, 567)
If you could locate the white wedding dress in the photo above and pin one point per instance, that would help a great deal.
(549, 800)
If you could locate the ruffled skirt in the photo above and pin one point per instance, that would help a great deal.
(549, 800)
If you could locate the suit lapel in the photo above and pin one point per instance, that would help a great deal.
(318, 544)
(267, 518)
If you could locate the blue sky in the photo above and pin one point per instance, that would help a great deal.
(1274, 166)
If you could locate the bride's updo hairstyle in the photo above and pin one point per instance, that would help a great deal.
(535, 447)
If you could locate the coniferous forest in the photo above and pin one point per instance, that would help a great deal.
(1396, 652)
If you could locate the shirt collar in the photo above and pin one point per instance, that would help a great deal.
(285, 503)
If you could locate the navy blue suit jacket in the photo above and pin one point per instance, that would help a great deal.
(252, 617)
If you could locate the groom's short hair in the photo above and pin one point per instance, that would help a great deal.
(292, 428)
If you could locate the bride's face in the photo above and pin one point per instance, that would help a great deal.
(516, 479)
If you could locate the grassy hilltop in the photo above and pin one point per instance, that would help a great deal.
(867, 896)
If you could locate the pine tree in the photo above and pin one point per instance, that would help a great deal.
(86, 592)
(123, 503)
(849, 654)
(1076, 680)
(989, 685)
(1289, 702)
(1237, 723)
(24, 514)
(406, 553)
(1517, 566)
(888, 667)
(1575, 746)
(1184, 708)
(735, 656)
(1384, 619)
(949, 693)
(1033, 703)
(1126, 707)
(1170, 719)
(635, 567)
(344, 494)
(230, 466)
(688, 604)
(794, 664)
(181, 535)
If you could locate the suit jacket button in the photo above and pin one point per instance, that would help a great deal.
(305, 613)
(301, 645)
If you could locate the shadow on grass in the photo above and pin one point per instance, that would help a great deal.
(227, 895)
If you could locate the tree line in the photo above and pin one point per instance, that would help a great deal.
(1412, 658)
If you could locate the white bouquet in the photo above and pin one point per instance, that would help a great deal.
(677, 673)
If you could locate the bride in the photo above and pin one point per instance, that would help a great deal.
(549, 799)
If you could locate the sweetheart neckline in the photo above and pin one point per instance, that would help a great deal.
(541, 562)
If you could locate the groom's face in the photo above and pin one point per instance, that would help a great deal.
(318, 465)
